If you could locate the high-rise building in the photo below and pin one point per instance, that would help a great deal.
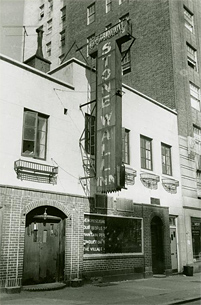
(162, 60)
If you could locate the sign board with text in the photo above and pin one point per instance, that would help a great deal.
(109, 106)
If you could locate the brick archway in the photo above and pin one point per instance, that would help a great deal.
(38, 203)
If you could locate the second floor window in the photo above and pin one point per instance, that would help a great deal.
(146, 152)
(188, 19)
(191, 57)
(166, 159)
(34, 134)
(125, 146)
(91, 13)
(195, 96)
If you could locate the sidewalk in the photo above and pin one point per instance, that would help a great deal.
(176, 289)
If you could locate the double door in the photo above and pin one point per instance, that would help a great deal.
(44, 251)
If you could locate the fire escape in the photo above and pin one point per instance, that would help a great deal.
(87, 143)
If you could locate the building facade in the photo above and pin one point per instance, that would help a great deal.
(162, 60)
(49, 219)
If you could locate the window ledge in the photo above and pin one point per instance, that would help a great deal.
(170, 185)
(36, 172)
(149, 180)
(130, 175)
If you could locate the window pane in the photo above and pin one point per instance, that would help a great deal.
(28, 147)
(29, 133)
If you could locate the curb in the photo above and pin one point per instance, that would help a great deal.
(184, 301)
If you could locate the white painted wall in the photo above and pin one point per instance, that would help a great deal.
(21, 88)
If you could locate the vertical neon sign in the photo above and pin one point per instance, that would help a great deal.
(109, 108)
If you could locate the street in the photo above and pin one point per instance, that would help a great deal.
(170, 290)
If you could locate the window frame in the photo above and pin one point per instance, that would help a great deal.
(49, 25)
(91, 15)
(126, 61)
(188, 19)
(164, 155)
(63, 38)
(192, 57)
(108, 6)
(144, 149)
(63, 14)
(194, 96)
(42, 11)
(88, 39)
(125, 146)
(50, 2)
(90, 135)
(37, 116)
(49, 48)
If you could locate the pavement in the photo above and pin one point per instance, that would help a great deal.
(175, 289)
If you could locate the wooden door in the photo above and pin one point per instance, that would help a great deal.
(173, 244)
(157, 246)
(44, 251)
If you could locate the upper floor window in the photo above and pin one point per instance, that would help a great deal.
(195, 96)
(41, 13)
(108, 26)
(34, 134)
(49, 48)
(198, 176)
(188, 19)
(125, 146)
(63, 14)
(197, 137)
(49, 26)
(192, 57)
(108, 4)
(126, 61)
(63, 37)
(166, 159)
(88, 41)
(91, 13)
(146, 152)
(50, 5)
(90, 134)
(61, 58)
(124, 17)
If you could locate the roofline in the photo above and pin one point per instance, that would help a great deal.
(35, 71)
(149, 99)
(73, 59)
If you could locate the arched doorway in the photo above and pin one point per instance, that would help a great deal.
(44, 246)
(157, 246)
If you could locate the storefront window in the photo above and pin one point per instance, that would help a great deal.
(196, 237)
(104, 234)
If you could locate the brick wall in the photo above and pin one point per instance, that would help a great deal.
(17, 203)
(151, 53)
(117, 264)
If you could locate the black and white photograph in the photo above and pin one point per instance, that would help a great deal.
(100, 152)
